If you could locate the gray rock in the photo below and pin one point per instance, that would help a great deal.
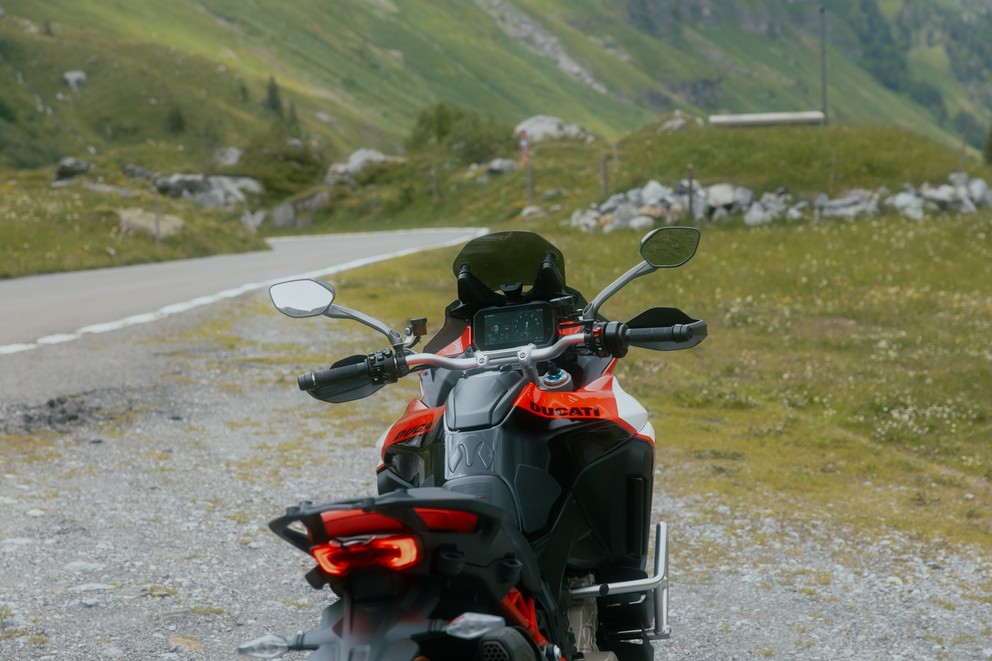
(641, 223)
(634, 197)
(673, 125)
(228, 192)
(958, 179)
(856, 203)
(653, 193)
(977, 190)
(907, 204)
(252, 221)
(138, 172)
(74, 79)
(70, 167)
(720, 195)
(546, 127)
(613, 202)
(181, 185)
(532, 212)
(797, 211)
(942, 196)
(585, 219)
(228, 156)
(757, 215)
(742, 199)
(283, 215)
(134, 219)
(363, 158)
(501, 166)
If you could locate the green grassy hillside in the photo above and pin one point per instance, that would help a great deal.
(359, 71)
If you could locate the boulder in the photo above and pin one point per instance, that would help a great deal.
(181, 185)
(941, 196)
(654, 193)
(358, 161)
(977, 190)
(138, 172)
(228, 191)
(720, 195)
(858, 202)
(225, 157)
(252, 221)
(284, 215)
(907, 203)
(501, 166)
(757, 215)
(613, 203)
(134, 219)
(546, 127)
(742, 199)
(74, 79)
(532, 212)
(70, 167)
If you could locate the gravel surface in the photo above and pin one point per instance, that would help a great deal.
(138, 470)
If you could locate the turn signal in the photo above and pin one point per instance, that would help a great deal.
(395, 552)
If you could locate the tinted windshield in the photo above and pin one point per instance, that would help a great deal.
(507, 257)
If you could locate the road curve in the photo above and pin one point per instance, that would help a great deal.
(59, 307)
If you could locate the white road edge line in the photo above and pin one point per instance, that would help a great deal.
(176, 308)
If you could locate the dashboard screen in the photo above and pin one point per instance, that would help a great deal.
(514, 326)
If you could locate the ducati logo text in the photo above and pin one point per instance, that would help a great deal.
(566, 412)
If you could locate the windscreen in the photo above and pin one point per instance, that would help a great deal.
(507, 257)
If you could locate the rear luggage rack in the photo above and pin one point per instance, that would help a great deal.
(658, 583)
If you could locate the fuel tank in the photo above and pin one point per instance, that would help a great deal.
(572, 470)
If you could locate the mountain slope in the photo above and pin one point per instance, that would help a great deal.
(357, 71)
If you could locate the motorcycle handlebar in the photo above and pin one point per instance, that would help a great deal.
(313, 380)
(610, 339)
(676, 333)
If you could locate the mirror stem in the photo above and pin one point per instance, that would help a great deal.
(589, 313)
(341, 312)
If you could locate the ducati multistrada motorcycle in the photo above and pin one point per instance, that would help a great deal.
(512, 520)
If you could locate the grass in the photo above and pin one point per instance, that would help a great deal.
(846, 375)
(73, 228)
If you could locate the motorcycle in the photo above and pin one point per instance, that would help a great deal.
(513, 515)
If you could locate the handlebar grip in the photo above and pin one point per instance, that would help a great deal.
(676, 333)
(313, 380)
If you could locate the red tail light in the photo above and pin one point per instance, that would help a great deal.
(394, 552)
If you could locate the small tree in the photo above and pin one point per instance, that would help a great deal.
(174, 120)
(293, 121)
(272, 100)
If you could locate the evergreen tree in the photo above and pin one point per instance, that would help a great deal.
(272, 100)
(988, 148)
(293, 121)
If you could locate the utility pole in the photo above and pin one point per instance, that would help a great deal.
(823, 62)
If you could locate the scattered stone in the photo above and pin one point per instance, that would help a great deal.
(80, 566)
(209, 191)
(74, 79)
(358, 161)
(284, 215)
(134, 219)
(227, 156)
(138, 172)
(719, 202)
(532, 212)
(546, 127)
(70, 167)
(501, 166)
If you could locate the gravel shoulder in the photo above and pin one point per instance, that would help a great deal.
(139, 469)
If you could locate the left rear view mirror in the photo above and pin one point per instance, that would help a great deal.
(302, 298)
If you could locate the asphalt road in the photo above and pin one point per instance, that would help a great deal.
(60, 307)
